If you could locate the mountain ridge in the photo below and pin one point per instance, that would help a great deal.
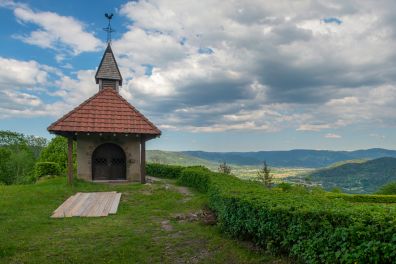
(292, 158)
(362, 177)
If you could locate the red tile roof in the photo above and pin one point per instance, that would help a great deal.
(105, 112)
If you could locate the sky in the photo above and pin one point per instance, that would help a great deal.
(212, 75)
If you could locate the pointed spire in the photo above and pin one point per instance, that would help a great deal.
(108, 71)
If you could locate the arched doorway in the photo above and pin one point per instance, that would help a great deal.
(108, 162)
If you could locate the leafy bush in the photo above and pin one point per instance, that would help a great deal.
(285, 186)
(196, 177)
(308, 226)
(46, 169)
(224, 168)
(56, 151)
(388, 189)
(163, 170)
(364, 198)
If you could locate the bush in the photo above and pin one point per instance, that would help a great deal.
(56, 151)
(46, 169)
(285, 186)
(364, 198)
(163, 170)
(308, 226)
(224, 168)
(196, 177)
(388, 189)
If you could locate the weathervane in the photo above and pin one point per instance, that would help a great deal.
(108, 29)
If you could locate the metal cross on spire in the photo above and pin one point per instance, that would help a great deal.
(108, 29)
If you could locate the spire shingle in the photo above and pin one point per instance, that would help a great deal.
(108, 68)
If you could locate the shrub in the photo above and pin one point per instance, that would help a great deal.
(224, 168)
(336, 190)
(308, 226)
(56, 151)
(163, 170)
(285, 186)
(388, 189)
(46, 169)
(196, 177)
(364, 198)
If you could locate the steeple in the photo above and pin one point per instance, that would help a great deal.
(108, 74)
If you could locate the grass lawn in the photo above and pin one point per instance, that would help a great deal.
(144, 230)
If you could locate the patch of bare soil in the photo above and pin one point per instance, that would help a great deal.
(183, 190)
(205, 216)
(165, 225)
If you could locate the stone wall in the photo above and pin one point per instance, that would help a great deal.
(86, 144)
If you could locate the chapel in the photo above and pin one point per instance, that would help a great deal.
(109, 132)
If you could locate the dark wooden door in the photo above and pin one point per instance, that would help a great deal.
(108, 163)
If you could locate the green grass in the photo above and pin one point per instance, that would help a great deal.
(133, 235)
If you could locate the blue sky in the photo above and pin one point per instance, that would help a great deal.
(243, 76)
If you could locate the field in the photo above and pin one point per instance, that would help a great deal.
(146, 229)
(243, 172)
(250, 172)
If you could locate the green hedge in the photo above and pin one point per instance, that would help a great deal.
(364, 198)
(163, 170)
(310, 227)
(196, 177)
(46, 168)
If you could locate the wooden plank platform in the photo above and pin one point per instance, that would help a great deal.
(93, 204)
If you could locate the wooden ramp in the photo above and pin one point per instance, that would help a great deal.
(89, 205)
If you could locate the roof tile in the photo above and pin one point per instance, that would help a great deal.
(104, 112)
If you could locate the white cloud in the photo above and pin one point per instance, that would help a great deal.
(313, 127)
(23, 84)
(275, 65)
(56, 32)
(290, 53)
(21, 73)
(332, 136)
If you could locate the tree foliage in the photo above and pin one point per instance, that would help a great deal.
(388, 189)
(224, 168)
(56, 151)
(46, 169)
(17, 156)
(264, 175)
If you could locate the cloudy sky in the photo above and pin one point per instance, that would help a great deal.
(213, 75)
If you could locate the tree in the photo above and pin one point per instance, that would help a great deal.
(224, 168)
(264, 175)
(36, 144)
(56, 151)
(387, 189)
(16, 158)
(9, 138)
(5, 166)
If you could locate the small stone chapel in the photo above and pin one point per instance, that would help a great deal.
(110, 133)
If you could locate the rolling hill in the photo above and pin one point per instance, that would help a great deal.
(177, 158)
(360, 177)
(291, 158)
